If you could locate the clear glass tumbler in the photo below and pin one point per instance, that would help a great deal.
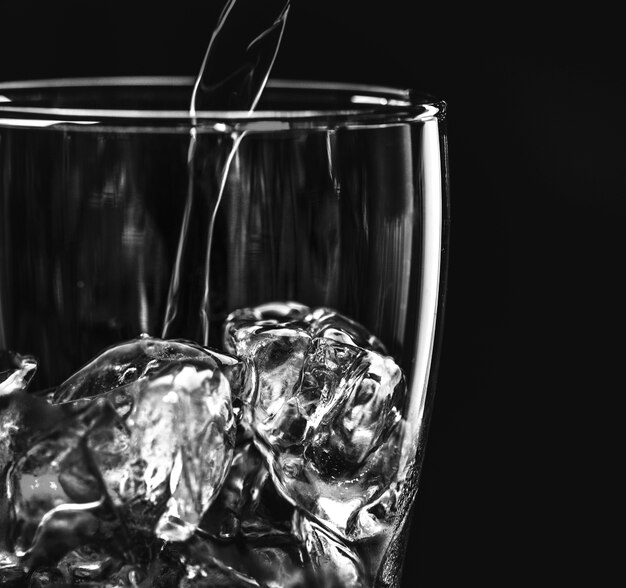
(329, 195)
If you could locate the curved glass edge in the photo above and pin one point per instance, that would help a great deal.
(391, 571)
(374, 105)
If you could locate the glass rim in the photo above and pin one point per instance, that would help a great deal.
(368, 104)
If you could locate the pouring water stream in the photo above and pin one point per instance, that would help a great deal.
(249, 65)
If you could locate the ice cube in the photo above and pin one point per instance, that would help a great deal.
(207, 566)
(52, 493)
(162, 571)
(374, 518)
(319, 322)
(222, 520)
(212, 564)
(22, 418)
(11, 417)
(126, 363)
(351, 423)
(325, 412)
(351, 449)
(335, 564)
(46, 576)
(88, 564)
(24, 421)
(271, 314)
(248, 508)
(151, 565)
(137, 461)
(12, 574)
(205, 436)
(248, 530)
(16, 371)
(276, 357)
(328, 323)
(165, 462)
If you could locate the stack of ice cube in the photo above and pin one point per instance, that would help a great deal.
(166, 463)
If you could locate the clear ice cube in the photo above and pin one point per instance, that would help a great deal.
(46, 576)
(335, 564)
(87, 564)
(279, 354)
(248, 530)
(23, 417)
(165, 461)
(12, 574)
(319, 322)
(205, 438)
(212, 564)
(328, 323)
(136, 462)
(248, 508)
(128, 362)
(25, 421)
(53, 492)
(326, 412)
(16, 371)
(269, 315)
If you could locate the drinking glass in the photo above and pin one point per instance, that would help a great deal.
(330, 195)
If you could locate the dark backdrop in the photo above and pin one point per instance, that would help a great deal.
(537, 140)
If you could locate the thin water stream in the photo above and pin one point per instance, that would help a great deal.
(233, 75)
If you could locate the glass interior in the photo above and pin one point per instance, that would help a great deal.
(112, 225)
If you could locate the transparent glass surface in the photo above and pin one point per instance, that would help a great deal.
(335, 197)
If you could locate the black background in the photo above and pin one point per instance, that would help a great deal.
(516, 479)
